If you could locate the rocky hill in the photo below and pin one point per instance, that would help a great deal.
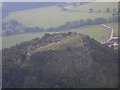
(69, 60)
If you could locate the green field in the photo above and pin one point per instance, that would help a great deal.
(115, 27)
(51, 16)
(9, 41)
(96, 6)
(97, 32)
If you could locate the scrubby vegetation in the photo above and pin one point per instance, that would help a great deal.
(84, 63)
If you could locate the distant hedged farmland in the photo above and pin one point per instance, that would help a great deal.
(53, 16)
(95, 31)
(84, 18)
(13, 27)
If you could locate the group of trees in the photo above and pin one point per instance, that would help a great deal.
(82, 22)
(108, 10)
(14, 27)
(90, 10)
(35, 29)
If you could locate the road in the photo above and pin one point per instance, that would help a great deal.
(112, 31)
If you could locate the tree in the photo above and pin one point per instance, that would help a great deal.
(100, 20)
(91, 10)
(68, 48)
(99, 11)
(47, 35)
(9, 33)
(107, 10)
(82, 22)
(114, 10)
(118, 10)
(89, 22)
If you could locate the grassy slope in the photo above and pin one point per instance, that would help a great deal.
(115, 27)
(52, 16)
(61, 44)
(9, 41)
(97, 32)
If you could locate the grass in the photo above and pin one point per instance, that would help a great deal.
(96, 6)
(51, 16)
(9, 41)
(53, 46)
(115, 27)
(97, 32)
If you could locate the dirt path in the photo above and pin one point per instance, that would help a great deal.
(112, 31)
